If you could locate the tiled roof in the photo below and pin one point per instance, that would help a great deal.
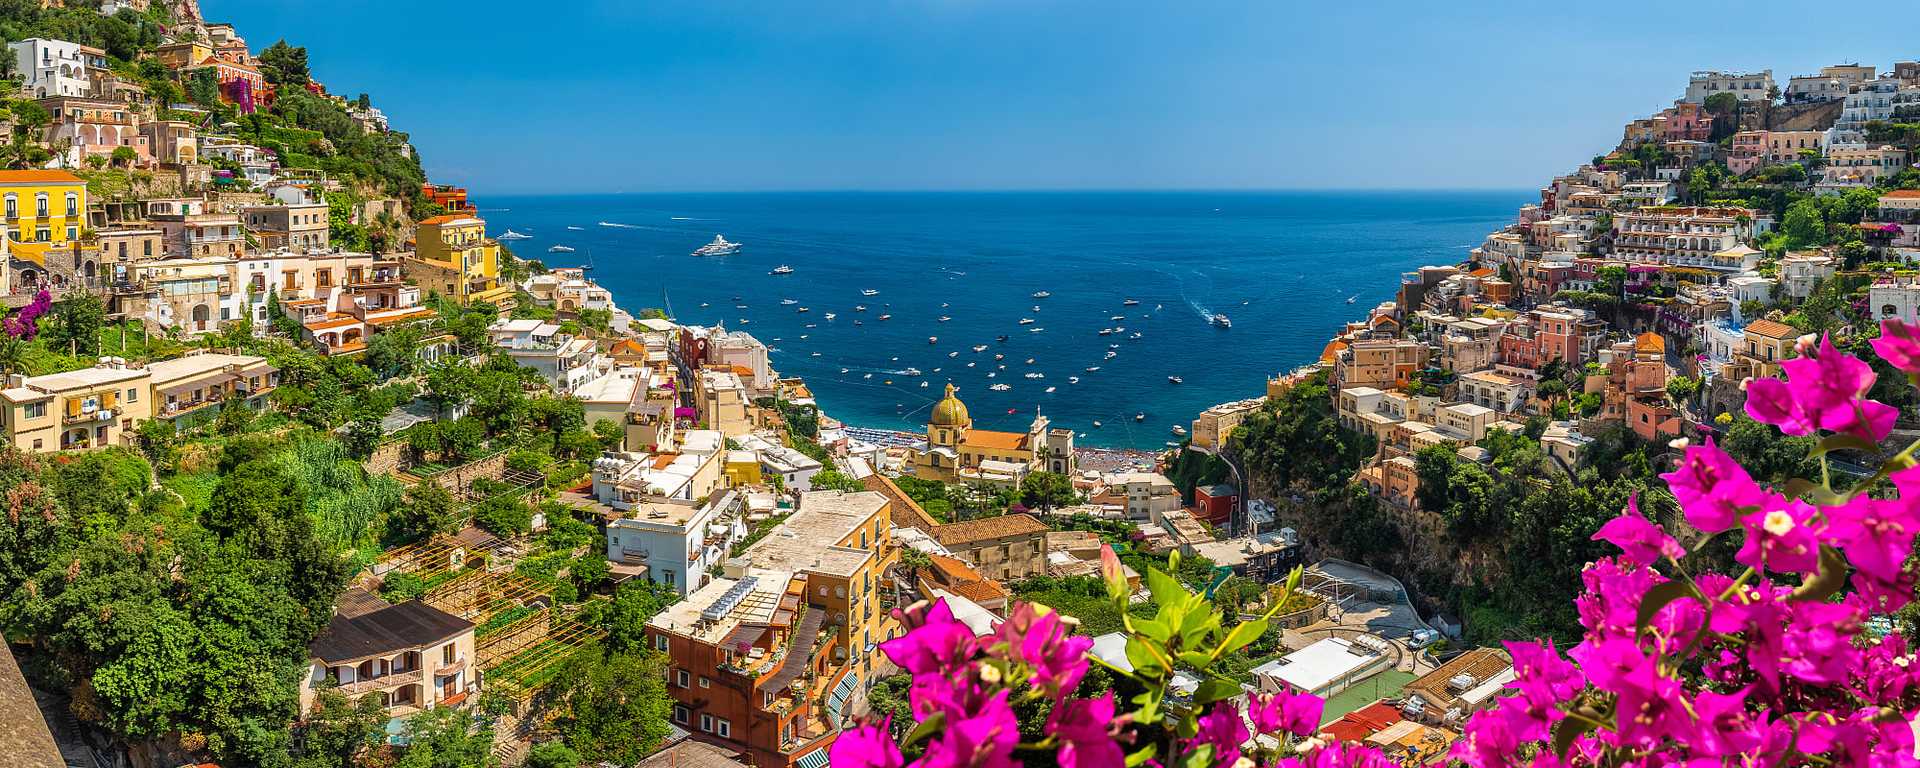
(1021, 524)
(1002, 441)
(38, 177)
(1480, 663)
(1772, 330)
(447, 219)
(1903, 194)
(904, 512)
(1363, 722)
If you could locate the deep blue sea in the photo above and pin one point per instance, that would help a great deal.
(1281, 265)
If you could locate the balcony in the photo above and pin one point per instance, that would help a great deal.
(359, 687)
(109, 413)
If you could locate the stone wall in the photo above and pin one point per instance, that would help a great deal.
(1818, 116)
(457, 479)
(389, 458)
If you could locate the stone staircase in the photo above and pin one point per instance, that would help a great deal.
(512, 739)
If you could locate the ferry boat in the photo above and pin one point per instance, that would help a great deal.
(1175, 380)
(719, 247)
(1041, 294)
(512, 235)
(560, 249)
(1130, 303)
(1221, 321)
(869, 292)
(781, 270)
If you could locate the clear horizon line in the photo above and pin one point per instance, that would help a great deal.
(1003, 191)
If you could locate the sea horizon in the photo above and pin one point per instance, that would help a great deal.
(1282, 265)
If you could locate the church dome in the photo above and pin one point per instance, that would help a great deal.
(949, 412)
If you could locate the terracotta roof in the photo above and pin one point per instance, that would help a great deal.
(1772, 330)
(1482, 664)
(338, 321)
(1649, 342)
(1332, 350)
(1363, 722)
(967, 531)
(1903, 194)
(905, 512)
(38, 177)
(447, 218)
(629, 346)
(1002, 441)
(983, 591)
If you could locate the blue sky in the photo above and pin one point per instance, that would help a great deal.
(632, 95)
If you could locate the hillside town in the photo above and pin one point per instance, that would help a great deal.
(497, 518)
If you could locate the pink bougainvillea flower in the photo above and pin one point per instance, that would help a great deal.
(1827, 379)
(1639, 539)
(1782, 540)
(1086, 729)
(1036, 636)
(1492, 738)
(1221, 727)
(982, 738)
(1543, 680)
(867, 746)
(1823, 390)
(1770, 401)
(1712, 488)
(1647, 707)
(934, 643)
(1898, 345)
(1722, 726)
(1286, 712)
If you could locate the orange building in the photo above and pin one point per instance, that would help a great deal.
(451, 198)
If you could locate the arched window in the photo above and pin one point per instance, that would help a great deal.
(1889, 311)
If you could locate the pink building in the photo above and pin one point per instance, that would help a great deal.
(1748, 152)
(1686, 122)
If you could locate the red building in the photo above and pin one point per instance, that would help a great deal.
(451, 198)
(1214, 504)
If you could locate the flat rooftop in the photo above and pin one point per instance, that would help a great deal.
(85, 377)
(191, 365)
(810, 539)
(757, 606)
(1313, 667)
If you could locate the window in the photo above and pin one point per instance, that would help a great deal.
(73, 204)
(660, 642)
(666, 577)
(723, 728)
(36, 444)
(680, 713)
(43, 235)
(706, 723)
(36, 410)
(680, 677)
(133, 395)
(40, 205)
(13, 206)
(705, 682)
(446, 654)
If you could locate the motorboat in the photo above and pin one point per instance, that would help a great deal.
(802, 310)
(923, 385)
(1117, 318)
(1026, 321)
(886, 317)
(1073, 379)
(1035, 330)
(1092, 368)
(831, 315)
(1000, 387)
(999, 356)
(944, 318)
(1002, 338)
(1175, 380)
(1111, 355)
(1221, 321)
(869, 292)
(859, 307)
(1096, 425)
(512, 235)
(933, 339)
(979, 347)
(781, 270)
(1036, 375)
(1050, 390)
(1042, 294)
(1139, 417)
(789, 302)
(911, 372)
(969, 365)
(1179, 431)
(844, 370)
(719, 247)
(1106, 332)
(559, 249)
(1130, 303)
(1353, 298)
(953, 354)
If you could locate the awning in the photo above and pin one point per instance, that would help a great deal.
(814, 759)
(842, 693)
(181, 389)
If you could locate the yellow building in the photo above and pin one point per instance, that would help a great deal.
(45, 210)
(454, 257)
(743, 469)
(88, 408)
(956, 452)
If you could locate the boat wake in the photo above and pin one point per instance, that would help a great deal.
(617, 225)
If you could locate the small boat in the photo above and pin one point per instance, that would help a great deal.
(559, 249)
(831, 315)
(744, 321)
(1000, 387)
(1111, 355)
(1353, 298)
(998, 356)
(1117, 318)
(789, 302)
(1096, 425)
(933, 339)
(1113, 346)
(1175, 380)
(1036, 307)
(868, 376)
(859, 307)
(739, 298)
(1036, 375)
(936, 370)
(1073, 379)
(944, 318)
(869, 292)
(843, 370)
(739, 306)
(991, 374)
(719, 247)
(888, 382)
(979, 347)
(803, 336)
(1029, 361)
(969, 365)
(1002, 338)
(577, 229)
(1179, 431)
(816, 354)
(802, 310)
(1035, 330)
(512, 235)
(1135, 335)
(1092, 368)
(1138, 417)
(1026, 321)
(1119, 329)
(1050, 390)
(813, 325)
(955, 353)
(781, 270)
(1106, 332)
(923, 385)
(1130, 303)
(886, 317)
(704, 305)
(911, 372)
(856, 322)
(1041, 294)
(1221, 321)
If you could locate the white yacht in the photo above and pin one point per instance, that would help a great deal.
(512, 235)
(1001, 387)
(1221, 321)
(831, 315)
(781, 270)
(560, 249)
(719, 247)
(789, 302)
(1042, 294)
(1026, 321)
(869, 292)
(1175, 380)
(979, 347)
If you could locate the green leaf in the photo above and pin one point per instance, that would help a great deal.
(1844, 442)
(1241, 636)
(1215, 689)
(1166, 590)
(1195, 659)
(1201, 621)
(1142, 657)
(1565, 731)
(926, 728)
(1799, 487)
(1828, 580)
(1200, 757)
(1152, 628)
(1658, 598)
(1144, 754)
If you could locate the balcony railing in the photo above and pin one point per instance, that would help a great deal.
(109, 412)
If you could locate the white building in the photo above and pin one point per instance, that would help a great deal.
(564, 361)
(1895, 297)
(1802, 272)
(1749, 86)
(677, 541)
(51, 67)
(1324, 668)
(1503, 394)
(1150, 495)
(795, 469)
